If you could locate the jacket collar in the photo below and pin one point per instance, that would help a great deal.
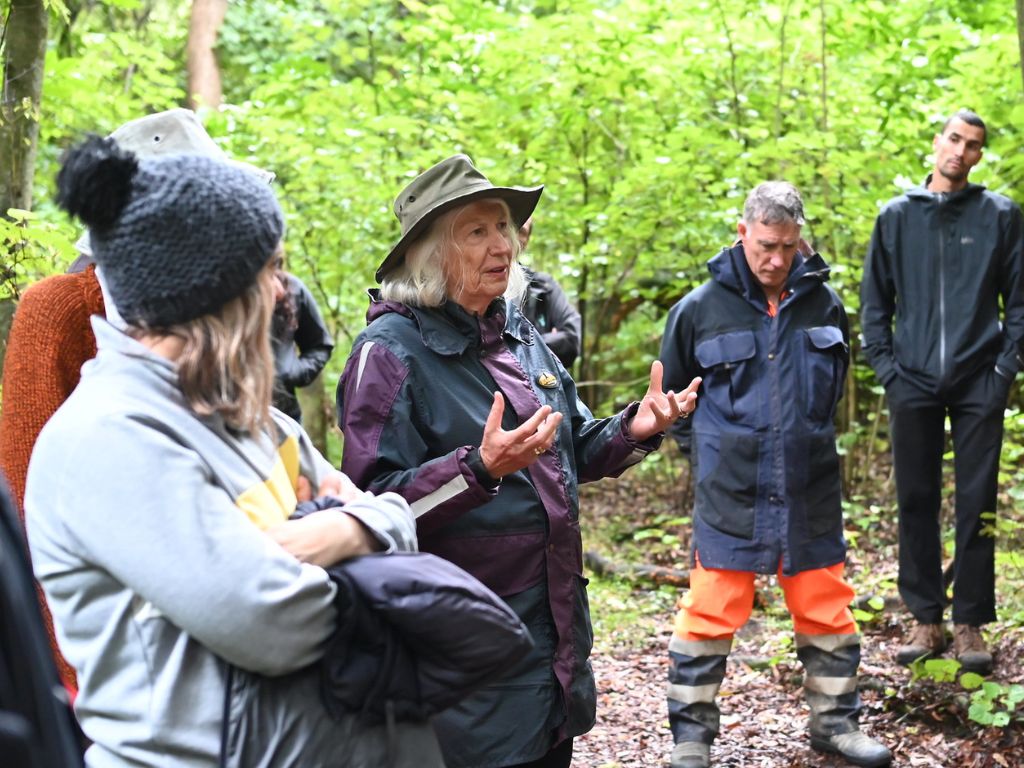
(730, 269)
(952, 198)
(450, 329)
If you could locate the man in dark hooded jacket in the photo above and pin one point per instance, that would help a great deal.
(942, 258)
(548, 308)
(301, 342)
(770, 340)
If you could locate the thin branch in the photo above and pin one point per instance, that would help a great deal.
(824, 67)
(598, 325)
(782, 69)
(733, 79)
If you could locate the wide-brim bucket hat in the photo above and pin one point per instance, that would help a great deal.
(452, 183)
(172, 132)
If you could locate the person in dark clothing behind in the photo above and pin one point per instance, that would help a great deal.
(942, 257)
(301, 342)
(547, 307)
(37, 728)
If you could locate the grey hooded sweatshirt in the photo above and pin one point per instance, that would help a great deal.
(140, 520)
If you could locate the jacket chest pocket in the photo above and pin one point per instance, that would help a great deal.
(822, 384)
(728, 384)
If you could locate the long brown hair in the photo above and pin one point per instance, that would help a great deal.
(227, 365)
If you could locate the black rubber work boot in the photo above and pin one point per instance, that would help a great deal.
(691, 754)
(855, 747)
(830, 687)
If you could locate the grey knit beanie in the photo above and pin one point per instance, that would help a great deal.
(177, 236)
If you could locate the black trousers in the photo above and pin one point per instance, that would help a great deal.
(559, 757)
(917, 423)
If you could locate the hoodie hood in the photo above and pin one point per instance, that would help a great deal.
(948, 205)
(729, 268)
(922, 192)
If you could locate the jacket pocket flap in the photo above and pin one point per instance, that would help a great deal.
(826, 337)
(731, 347)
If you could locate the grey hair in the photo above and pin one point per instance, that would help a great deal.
(774, 202)
(421, 280)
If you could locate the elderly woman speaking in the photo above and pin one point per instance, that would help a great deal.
(451, 399)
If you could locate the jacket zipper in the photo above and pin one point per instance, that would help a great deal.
(777, 489)
(942, 293)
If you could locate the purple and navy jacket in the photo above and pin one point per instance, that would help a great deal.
(412, 403)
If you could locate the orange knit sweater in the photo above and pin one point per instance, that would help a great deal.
(50, 340)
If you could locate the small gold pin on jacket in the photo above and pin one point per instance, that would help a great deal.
(547, 380)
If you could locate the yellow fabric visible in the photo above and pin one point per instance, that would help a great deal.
(272, 501)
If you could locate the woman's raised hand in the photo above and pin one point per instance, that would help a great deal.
(505, 452)
(659, 410)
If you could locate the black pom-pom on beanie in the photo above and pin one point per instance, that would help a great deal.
(95, 181)
(177, 236)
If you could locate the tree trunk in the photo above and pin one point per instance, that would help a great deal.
(1020, 36)
(7, 307)
(24, 55)
(204, 87)
(317, 412)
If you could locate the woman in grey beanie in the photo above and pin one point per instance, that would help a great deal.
(158, 495)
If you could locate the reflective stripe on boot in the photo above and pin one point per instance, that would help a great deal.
(695, 675)
(830, 681)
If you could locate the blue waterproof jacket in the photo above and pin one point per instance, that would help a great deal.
(762, 440)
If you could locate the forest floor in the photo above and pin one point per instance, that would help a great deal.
(924, 721)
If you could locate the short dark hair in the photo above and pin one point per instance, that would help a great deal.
(971, 118)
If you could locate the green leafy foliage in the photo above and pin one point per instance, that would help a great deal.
(647, 120)
(32, 246)
(991, 703)
(937, 670)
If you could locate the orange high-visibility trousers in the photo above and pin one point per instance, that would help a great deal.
(719, 602)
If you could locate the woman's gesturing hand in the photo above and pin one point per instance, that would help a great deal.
(659, 410)
(505, 452)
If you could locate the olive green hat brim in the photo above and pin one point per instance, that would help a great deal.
(521, 203)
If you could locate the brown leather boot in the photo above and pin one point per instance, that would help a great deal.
(925, 641)
(970, 649)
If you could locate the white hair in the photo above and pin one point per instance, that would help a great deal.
(421, 280)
